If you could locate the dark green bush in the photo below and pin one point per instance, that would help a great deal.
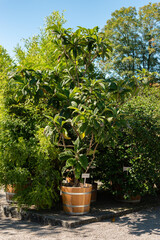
(138, 147)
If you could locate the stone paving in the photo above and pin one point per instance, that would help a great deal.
(106, 207)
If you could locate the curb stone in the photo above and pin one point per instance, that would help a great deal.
(64, 220)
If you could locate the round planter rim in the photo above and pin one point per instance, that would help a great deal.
(88, 186)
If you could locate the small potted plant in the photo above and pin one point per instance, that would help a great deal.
(127, 188)
(10, 193)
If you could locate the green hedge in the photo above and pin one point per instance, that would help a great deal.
(138, 147)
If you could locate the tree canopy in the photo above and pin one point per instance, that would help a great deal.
(135, 37)
(61, 109)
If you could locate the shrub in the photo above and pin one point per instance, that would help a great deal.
(27, 157)
(138, 147)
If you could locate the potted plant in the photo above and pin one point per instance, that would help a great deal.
(78, 136)
(10, 193)
(121, 174)
(84, 106)
(13, 189)
(128, 191)
(131, 191)
(82, 122)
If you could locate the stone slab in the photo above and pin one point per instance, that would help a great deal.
(105, 208)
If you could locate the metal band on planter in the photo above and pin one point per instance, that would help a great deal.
(84, 193)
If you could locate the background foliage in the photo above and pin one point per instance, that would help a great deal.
(84, 83)
(138, 147)
(135, 38)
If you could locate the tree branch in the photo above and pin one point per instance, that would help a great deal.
(92, 158)
(87, 65)
(90, 145)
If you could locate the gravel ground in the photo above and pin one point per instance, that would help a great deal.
(144, 225)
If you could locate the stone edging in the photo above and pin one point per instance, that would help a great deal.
(64, 221)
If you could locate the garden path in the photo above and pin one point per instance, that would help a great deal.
(144, 225)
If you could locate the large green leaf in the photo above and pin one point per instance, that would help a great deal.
(78, 171)
(71, 162)
(83, 161)
(66, 155)
(18, 79)
(65, 134)
(61, 96)
(83, 127)
(77, 144)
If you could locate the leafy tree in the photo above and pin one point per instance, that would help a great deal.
(149, 19)
(121, 29)
(84, 108)
(23, 159)
(135, 39)
(5, 62)
(40, 52)
(6, 65)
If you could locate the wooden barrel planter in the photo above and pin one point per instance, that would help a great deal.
(10, 193)
(11, 190)
(76, 200)
(132, 199)
(94, 193)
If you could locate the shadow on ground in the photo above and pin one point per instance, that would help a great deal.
(10, 228)
(137, 224)
(143, 222)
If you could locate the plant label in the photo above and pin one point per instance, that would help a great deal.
(125, 169)
(85, 175)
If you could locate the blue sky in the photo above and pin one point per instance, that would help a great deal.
(23, 18)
